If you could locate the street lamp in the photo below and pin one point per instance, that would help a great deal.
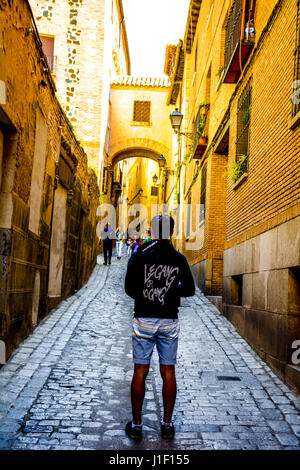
(176, 120)
(161, 161)
(154, 179)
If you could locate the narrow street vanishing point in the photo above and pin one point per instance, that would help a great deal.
(67, 386)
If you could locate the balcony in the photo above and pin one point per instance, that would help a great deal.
(201, 132)
(239, 40)
(52, 61)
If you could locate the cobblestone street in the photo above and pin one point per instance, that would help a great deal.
(68, 385)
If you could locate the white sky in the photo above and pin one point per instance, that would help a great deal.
(151, 25)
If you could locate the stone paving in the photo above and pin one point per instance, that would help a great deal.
(68, 384)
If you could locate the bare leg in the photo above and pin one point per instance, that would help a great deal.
(169, 391)
(138, 391)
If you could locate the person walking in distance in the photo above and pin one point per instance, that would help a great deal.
(157, 276)
(119, 242)
(107, 235)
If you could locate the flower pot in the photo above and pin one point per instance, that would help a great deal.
(202, 140)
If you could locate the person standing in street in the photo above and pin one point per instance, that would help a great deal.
(137, 242)
(119, 241)
(107, 235)
(147, 237)
(157, 276)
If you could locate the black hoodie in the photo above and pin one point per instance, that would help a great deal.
(157, 276)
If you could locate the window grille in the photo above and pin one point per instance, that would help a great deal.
(189, 216)
(105, 180)
(243, 126)
(141, 111)
(203, 193)
(154, 191)
(233, 31)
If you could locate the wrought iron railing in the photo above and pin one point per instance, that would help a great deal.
(233, 32)
(201, 124)
(243, 129)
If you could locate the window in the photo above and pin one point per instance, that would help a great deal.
(105, 180)
(296, 103)
(141, 111)
(243, 129)
(208, 85)
(48, 48)
(222, 48)
(239, 38)
(203, 193)
(233, 31)
(294, 290)
(196, 58)
(107, 140)
(188, 218)
(236, 291)
(154, 191)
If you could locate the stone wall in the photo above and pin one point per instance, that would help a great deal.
(28, 185)
(87, 53)
(268, 312)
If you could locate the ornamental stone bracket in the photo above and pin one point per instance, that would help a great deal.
(68, 148)
(70, 196)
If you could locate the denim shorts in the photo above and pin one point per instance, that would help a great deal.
(148, 332)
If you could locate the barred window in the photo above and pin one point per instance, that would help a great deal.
(296, 103)
(243, 128)
(189, 217)
(154, 191)
(203, 193)
(105, 180)
(141, 111)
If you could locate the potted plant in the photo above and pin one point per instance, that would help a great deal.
(202, 140)
(239, 167)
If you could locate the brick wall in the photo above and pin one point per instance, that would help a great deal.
(273, 184)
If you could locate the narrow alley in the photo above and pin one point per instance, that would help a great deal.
(67, 386)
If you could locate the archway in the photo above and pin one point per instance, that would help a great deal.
(137, 185)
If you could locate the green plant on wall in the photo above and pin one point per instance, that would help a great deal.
(201, 125)
(239, 167)
(202, 120)
(189, 151)
(204, 104)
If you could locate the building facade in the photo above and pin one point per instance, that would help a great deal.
(239, 93)
(86, 47)
(48, 197)
(140, 134)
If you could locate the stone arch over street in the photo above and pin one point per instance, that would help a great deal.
(132, 148)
